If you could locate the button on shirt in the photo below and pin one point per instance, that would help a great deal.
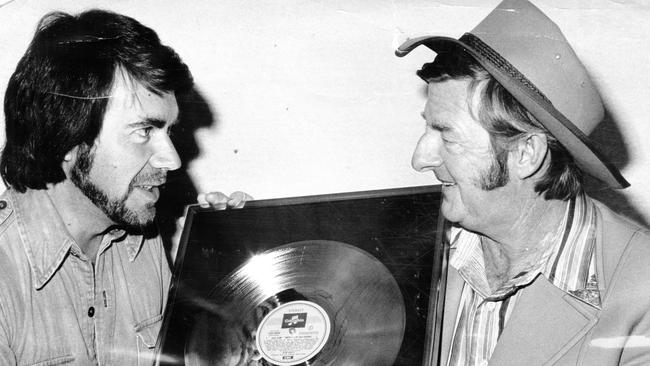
(57, 308)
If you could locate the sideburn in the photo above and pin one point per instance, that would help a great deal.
(497, 174)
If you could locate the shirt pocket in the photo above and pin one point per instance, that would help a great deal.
(147, 335)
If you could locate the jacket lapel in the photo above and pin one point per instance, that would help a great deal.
(546, 322)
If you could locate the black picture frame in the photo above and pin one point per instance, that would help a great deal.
(402, 227)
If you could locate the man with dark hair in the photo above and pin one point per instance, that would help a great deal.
(83, 273)
(540, 273)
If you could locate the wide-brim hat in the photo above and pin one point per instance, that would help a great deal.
(527, 53)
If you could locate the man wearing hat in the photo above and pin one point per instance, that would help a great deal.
(540, 273)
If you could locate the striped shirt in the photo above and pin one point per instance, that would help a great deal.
(568, 264)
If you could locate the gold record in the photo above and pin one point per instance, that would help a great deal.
(305, 303)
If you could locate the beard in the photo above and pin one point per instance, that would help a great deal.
(115, 208)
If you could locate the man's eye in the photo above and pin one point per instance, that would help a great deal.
(144, 132)
(437, 127)
(447, 142)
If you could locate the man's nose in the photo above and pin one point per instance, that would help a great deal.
(426, 155)
(166, 157)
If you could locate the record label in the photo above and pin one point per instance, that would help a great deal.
(293, 333)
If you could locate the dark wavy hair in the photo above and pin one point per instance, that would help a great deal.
(506, 121)
(57, 97)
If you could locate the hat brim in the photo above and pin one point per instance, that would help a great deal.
(586, 156)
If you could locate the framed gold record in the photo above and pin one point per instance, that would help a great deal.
(341, 279)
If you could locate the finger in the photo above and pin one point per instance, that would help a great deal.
(200, 199)
(217, 200)
(238, 199)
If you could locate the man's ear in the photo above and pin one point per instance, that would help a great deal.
(529, 155)
(69, 160)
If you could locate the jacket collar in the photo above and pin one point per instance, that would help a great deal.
(46, 240)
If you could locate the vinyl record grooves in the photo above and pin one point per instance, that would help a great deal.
(305, 303)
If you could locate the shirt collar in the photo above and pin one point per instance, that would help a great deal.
(47, 241)
(132, 242)
(468, 259)
(571, 266)
(573, 237)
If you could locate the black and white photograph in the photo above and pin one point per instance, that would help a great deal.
(325, 183)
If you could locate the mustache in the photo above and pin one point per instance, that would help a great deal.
(153, 178)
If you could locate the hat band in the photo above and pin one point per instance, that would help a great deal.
(497, 60)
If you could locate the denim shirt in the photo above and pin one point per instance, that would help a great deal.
(57, 308)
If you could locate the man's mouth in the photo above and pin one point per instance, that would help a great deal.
(149, 185)
(152, 188)
(446, 183)
(444, 178)
(147, 188)
(149, 181)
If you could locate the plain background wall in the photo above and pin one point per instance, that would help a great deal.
(306, 97)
